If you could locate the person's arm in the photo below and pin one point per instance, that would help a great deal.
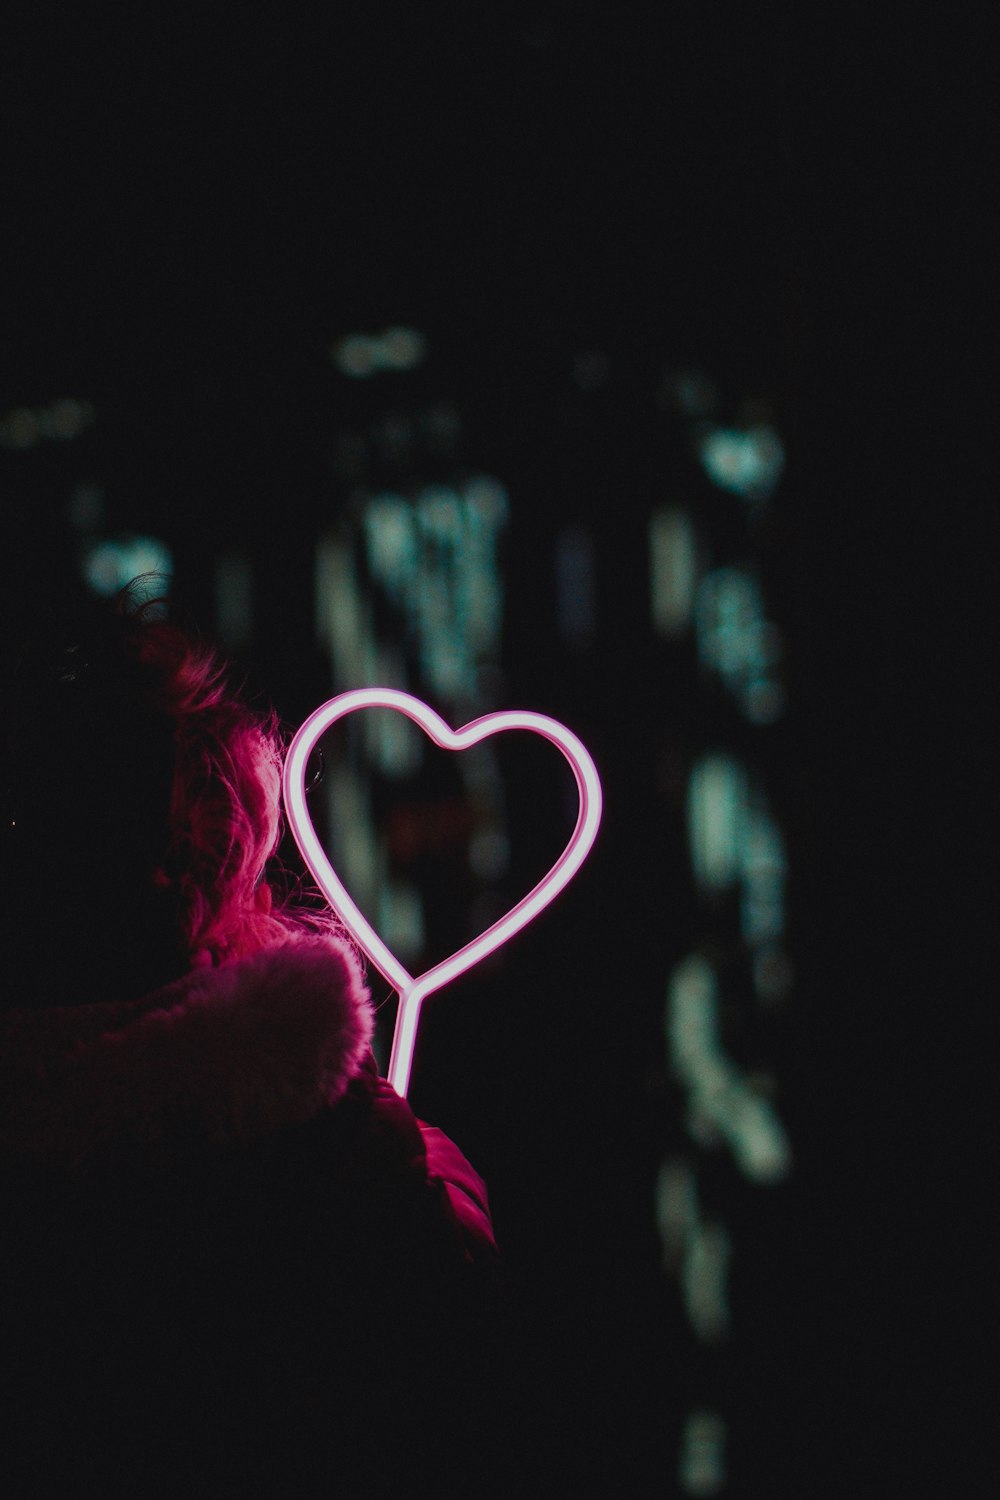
(446, 1169)
(465, 1189)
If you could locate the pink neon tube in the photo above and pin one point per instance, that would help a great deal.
(414, 991)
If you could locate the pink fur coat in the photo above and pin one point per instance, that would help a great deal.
(226, 1244)
(219, 1059)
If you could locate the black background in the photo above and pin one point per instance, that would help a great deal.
(195, 204)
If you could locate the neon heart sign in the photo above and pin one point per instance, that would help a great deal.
(414, 991)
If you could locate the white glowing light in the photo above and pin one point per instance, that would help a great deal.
(413, 991)
(360, 354)
(113, 563)
(747, 462)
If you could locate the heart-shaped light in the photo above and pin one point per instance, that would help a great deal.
(414, 991)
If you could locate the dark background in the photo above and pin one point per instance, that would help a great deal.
(195, 206)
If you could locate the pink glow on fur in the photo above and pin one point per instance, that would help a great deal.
(414, 991)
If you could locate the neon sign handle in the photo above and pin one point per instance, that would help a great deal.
(414, 991)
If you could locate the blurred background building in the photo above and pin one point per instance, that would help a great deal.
(596, 365)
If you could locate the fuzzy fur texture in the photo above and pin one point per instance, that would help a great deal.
(218, 1059)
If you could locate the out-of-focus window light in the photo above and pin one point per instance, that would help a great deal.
(704, 1274)
(702, 1467)
(391, 543)
(722, 1103)
(575, 586)
(698, 1251)
(394, 743)
(736, 640)
(763, 701)
(749, 1124)
(488, 501)
(110, 564)
(676, 1208)
(356, 355)
(487, 509)
(763, 868)
(234, 600)
(343, 618)
(673, 564)
(354, 845)
(730, 615)
(435, 556)
(744, 461)
(401, 919)
(716, 798)
(733, 836)
(66, 418)
(20, 429)
(691, 1013)
(440, 516)
(402, 348)
(25, 427)
(443, 660)
(396, 349)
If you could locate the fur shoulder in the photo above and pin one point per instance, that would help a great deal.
(222, 1057)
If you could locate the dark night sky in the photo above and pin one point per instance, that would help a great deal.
(568, 177)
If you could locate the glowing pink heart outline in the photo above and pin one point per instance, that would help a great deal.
(413, 991)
